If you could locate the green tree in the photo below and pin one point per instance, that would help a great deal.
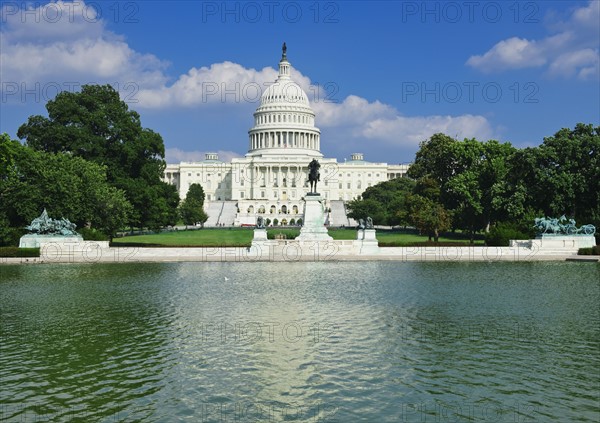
(191, 210)
(428, 216)
(471, 175)
(382, 201)
(568, 168)
(361, 208)
(196, 193)
(112, 211)
(435, 158)
(65, 185)
(96, 125)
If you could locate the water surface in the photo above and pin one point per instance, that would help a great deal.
(306, 342)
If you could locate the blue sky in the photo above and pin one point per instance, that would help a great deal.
(382, 76)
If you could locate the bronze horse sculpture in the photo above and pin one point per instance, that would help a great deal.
(313, 175)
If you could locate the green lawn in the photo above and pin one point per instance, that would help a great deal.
(209, 237)
(242, 237)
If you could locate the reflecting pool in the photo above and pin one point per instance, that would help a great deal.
(306, 342)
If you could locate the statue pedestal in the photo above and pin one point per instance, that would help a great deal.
(566, 242)
(313, 225)
(36, 240)
(260, 235)
(368, 241)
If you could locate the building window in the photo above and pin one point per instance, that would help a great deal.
(241, 194)
(262, 194)
(340, 185)
(377, 175)
(208, 197)
(349, 185)
(369, 175)
(189, 174)
(242, 182)
(274, 194)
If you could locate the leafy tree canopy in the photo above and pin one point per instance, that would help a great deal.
(96, 125)
(65, 185)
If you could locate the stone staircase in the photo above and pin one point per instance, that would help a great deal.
(339, 214)
(220, 212)
(228, 213)
(213, 209)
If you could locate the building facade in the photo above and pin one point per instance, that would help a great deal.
(271, 180)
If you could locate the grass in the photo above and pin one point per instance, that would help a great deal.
(242, 237)
(19, 252)
(209, 237)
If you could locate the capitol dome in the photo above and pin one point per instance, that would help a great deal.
(284, 123)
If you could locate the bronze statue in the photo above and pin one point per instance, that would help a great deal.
(555, 226)
(45, 225)
(313, 175)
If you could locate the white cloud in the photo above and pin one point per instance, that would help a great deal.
(67, 42)
(378, 122)
(572, 50)
(225, 82)
(78, 47)
(412, 130)
(511, 53)
(352, 110)
(584, 63)
(54, 21)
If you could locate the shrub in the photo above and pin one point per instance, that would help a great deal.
(275, 222)
(500, 235)
(11, 236)
(19, 252)
(289, 233)
(91, 234)
(590, 251)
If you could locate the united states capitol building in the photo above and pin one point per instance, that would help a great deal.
(271, 180)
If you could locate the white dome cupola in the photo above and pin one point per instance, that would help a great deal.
(284, 123)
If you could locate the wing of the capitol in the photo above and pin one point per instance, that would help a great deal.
(271, 180)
